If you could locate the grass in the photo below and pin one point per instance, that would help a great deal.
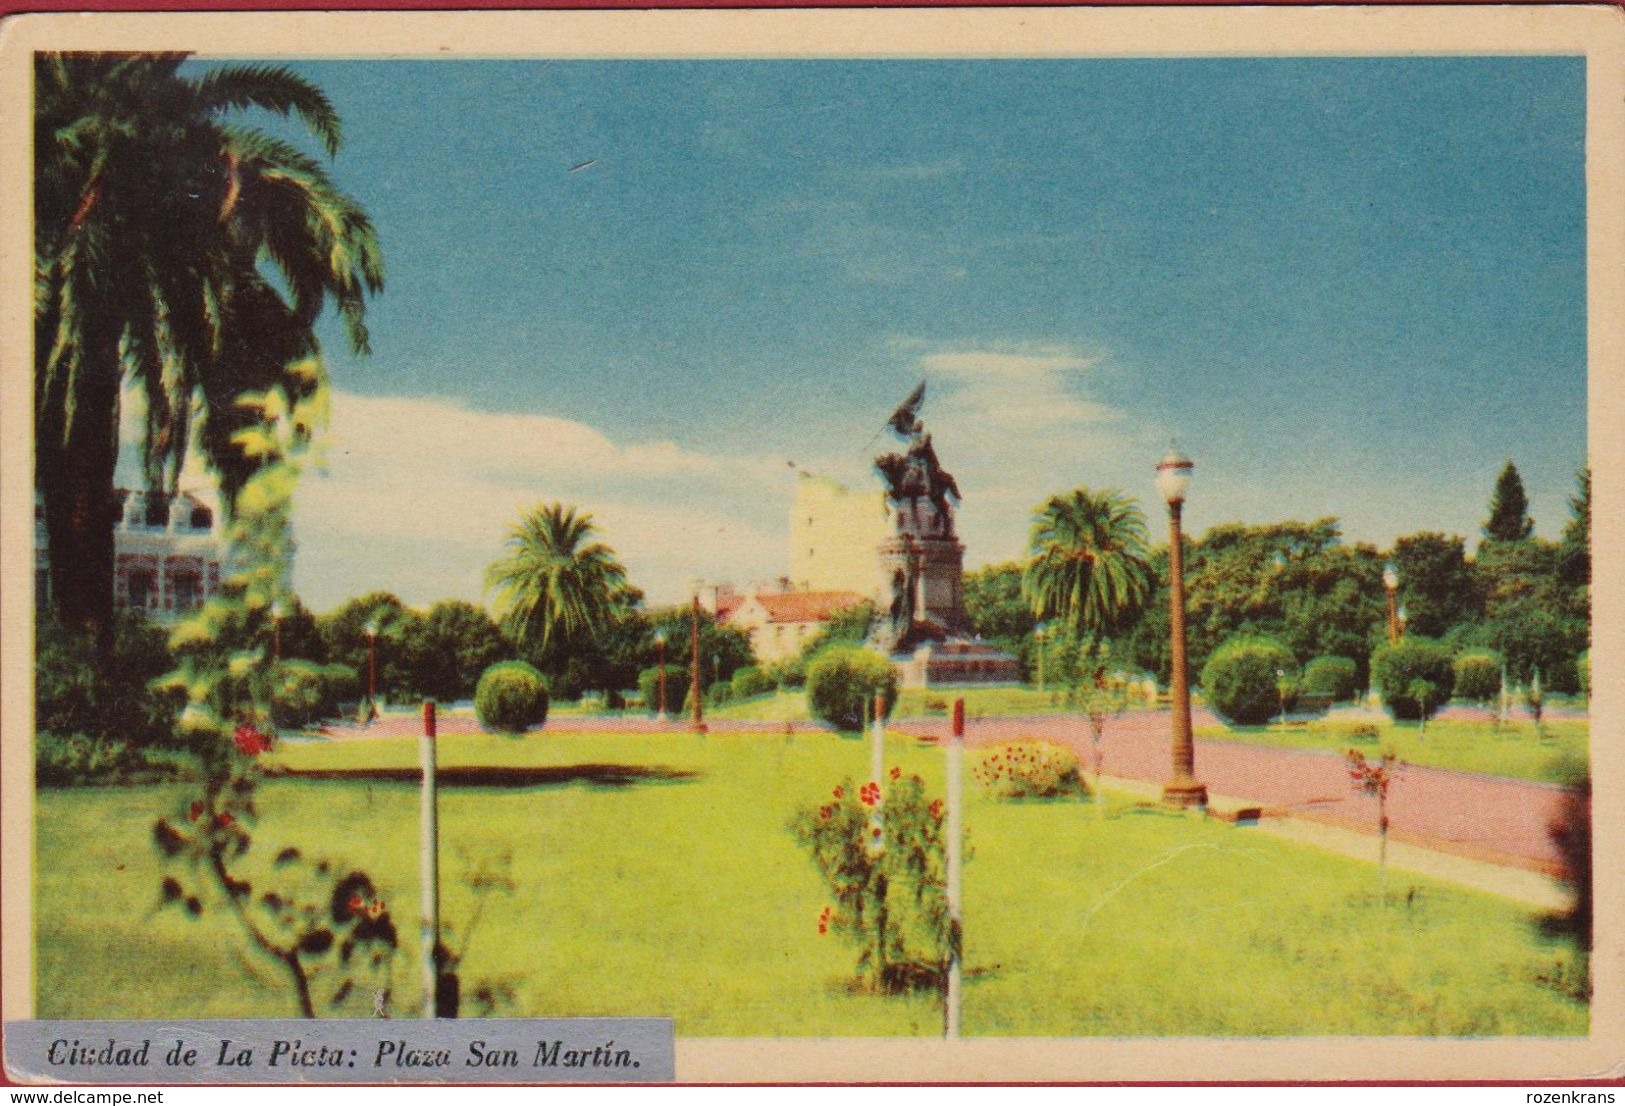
(980, 702)
(689, 898)
(1513, 750)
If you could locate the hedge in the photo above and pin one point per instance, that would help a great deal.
(511, 697)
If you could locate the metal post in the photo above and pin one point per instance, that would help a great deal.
(429, 823)
(956, 832)
(696, 722)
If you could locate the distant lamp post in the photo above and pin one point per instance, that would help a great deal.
(1403, 619)
(1183, 790)
(696, 720)
(1390, 581)
(1038, 636)
(372, 669)
(1281, 688)
(660, 680)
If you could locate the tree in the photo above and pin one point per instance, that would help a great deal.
(1509, 508)
(995, 605)
(186, 256)
(1088, 567)
(1574, 553)
(558, 587)
(1436, 584)
(345, 633)
(448, 649)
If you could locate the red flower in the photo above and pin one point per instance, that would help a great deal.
(823, 812)
(356, 903)
(224, 818)
(840, 793)
(250, 742)
(875, 832)
(896, 773)
(196, 810)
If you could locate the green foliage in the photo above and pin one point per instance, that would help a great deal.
(1029, 770)
(1436, 584)
(1531, 618)
(304, 692)
(1574, 552)
(1087, 566)
(1582, 673)
(344, 632)
(997, 610)
(447, 649)
(1396, 668)
(1509, 519)
(558, 587)
(511, 698)
(108, 699)
(677, 681)
(751, 680)
(719, 693)
(1331, 676)
(789, 672)
(842, 683)
(882, 856)
(1477, 676)
(724, 649)
(79, 761)
(1241, 682)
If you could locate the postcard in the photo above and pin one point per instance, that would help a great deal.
(890, 545)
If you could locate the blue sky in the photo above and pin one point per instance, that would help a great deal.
(1347, 286)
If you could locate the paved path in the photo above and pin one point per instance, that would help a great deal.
(1483, 817)
(1488, 818)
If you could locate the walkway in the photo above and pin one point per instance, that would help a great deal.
(1489, 818)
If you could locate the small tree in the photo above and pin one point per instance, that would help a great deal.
(1374, 778)
(1535, 700)
(1101, 696)
(843, 681)
(890, 891)
(1425, 694)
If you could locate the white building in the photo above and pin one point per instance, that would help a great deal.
(167, 554)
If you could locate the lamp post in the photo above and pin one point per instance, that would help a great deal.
(1183, 790)
(277, 613)
(696, 720)
(1403, 618)
(660, 680)
(372, 670)
(1038, 636)
(1390, 581)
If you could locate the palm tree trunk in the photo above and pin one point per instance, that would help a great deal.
(75, 479)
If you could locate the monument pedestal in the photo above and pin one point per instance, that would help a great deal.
(956, 660)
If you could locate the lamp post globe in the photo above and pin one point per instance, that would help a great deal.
(1182, 789)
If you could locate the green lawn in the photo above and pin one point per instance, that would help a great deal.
(1512, 750)
(688, 897)
(980, 702)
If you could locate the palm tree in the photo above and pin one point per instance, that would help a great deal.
(1087, 566)
(184, 255)
(557, 586)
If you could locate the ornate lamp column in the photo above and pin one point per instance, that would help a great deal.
(1390, 583)
(696, 721)
(1183, 790)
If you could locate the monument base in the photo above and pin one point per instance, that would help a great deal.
(956, 661)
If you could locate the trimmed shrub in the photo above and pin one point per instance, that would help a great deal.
(1240, 679)
(676, 687)
(751, 680)
(1029, 770)
(1396, 668)
(80, 761)
(1333, 676)
(843, 680)
(511, 697)
(1478, 676)
(789, 673)
(340, 684)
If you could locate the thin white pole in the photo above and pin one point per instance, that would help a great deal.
(956, 832)
(429, 824)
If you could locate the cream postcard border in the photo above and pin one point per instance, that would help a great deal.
(1596, 32)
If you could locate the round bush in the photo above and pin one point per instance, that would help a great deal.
(751, 680)
(1240, 679)
(511, 697)
(1478, 676)
(1396, 668)
(843, 680)
(676, 687)
(1333, 676)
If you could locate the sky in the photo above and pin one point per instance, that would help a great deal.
(658, 290)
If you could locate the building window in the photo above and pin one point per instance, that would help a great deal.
(143, 590)
(187, 588)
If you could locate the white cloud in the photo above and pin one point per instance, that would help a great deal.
(418, 494)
